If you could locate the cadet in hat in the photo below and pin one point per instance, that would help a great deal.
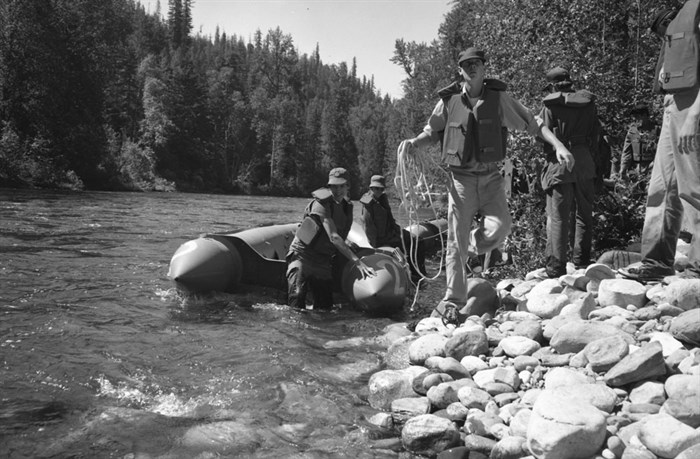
(381, 227)
(573, 117)
(338, 185)
(321, 235)
(639, 147)
(476, 184)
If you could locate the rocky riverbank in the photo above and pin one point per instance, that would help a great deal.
(589, 365)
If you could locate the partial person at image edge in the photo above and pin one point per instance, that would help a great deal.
(674, 186)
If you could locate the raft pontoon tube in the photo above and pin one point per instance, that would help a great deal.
(225, 261)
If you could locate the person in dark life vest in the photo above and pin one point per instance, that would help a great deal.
(383, 231)
(471, 118)
(674, 186)
(639, 147)
(321, 237)
(573, 118)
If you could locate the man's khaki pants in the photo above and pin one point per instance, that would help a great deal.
(472, 193)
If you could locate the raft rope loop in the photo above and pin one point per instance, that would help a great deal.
(411, 181)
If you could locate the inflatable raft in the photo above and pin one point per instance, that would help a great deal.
(225, 261)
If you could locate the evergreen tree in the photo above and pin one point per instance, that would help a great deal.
(179, 22)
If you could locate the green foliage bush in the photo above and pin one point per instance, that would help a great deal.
(528, 237)
(136, 166)
(131, 166)
(10, 154)
(619, 213)
(29, 163)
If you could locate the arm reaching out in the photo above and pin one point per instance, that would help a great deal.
(343, 248)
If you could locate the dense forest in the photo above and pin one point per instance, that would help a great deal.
(103, 95)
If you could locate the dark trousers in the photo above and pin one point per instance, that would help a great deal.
(565, 202)
(302, 277)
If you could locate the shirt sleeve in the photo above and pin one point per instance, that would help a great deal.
(517, 117)
(436, 122)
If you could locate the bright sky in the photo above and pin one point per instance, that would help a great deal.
(343, 29)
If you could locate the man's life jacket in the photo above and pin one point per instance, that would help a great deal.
(311, 232)
(573, 119)
(681, 51)
(473, 133)
(385, 226)
(576, 118)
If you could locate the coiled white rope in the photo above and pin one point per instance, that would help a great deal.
(412, 184)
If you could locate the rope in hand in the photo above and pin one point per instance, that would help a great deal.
(411, 181)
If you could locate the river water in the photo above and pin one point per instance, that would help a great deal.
(102, 357)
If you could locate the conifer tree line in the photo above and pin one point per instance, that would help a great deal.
(103, 95)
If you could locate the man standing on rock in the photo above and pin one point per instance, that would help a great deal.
(573, 118)
(471, 119)
(675, 177)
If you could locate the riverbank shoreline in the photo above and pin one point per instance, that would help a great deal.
(587, 365)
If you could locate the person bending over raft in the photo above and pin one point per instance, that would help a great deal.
(321, 236)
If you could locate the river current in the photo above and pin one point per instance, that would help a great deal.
(101, 356)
